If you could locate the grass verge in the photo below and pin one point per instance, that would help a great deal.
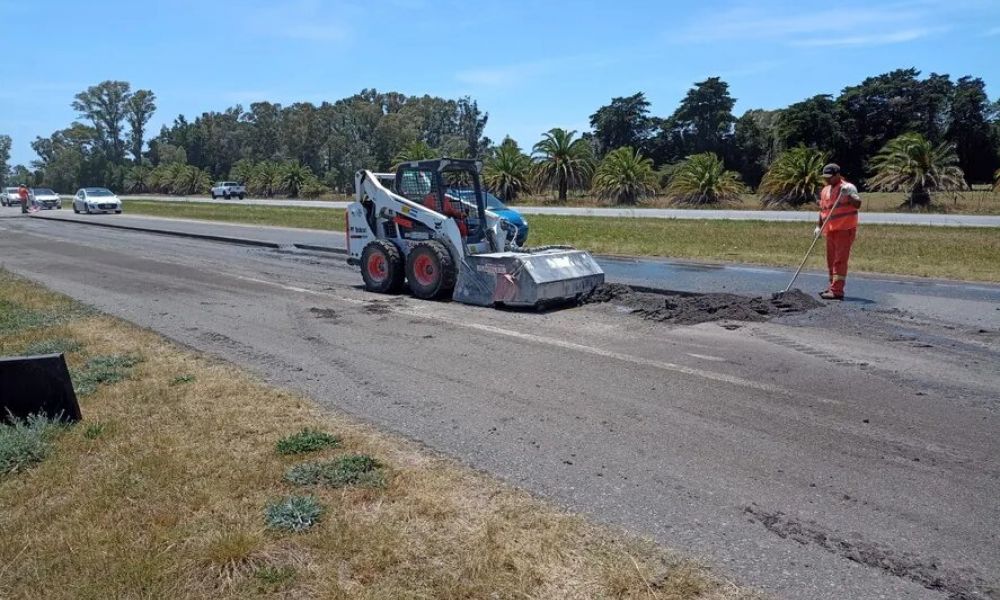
(281, 216)
(948, 252)
(178, 491)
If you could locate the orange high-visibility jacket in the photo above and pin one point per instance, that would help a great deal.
(846, 216)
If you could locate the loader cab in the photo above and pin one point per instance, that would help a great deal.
(450, 187)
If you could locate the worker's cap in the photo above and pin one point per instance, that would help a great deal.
(831, 169)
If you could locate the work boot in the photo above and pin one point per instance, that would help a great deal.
(828, 295)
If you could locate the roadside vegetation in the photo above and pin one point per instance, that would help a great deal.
(949, 127)
(190, 479)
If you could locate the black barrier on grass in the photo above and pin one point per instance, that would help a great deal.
(31, 385)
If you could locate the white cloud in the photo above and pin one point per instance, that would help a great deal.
(840, 26)
(896, 37)
(502, 76)
(994, 31)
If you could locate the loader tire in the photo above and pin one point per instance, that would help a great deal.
(382, 267)
(430, 270)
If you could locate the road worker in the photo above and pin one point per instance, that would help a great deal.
(22, 195)
(838, 222)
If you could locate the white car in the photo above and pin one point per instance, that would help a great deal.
(44, 198)
(96, 200)
(228, 189)
(9, 197)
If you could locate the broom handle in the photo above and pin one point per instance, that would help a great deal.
(815, 239)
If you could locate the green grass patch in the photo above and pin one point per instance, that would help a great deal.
(275, 576)
(350, 470)
(15, 318)
(295, 513)
(283, 216)
(94, 431)
(307, 440)
(182, 379)
(947, 252)
(103, 370)
(53, 346)
(26, 442)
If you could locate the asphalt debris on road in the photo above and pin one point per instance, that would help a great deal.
(685, 308)
(958, 584)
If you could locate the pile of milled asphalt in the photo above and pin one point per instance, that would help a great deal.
(685, 308)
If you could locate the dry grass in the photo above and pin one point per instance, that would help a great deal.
(160, 494)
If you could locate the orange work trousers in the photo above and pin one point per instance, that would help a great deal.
(838, 251)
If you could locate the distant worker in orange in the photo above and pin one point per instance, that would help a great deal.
(838, 222)
(22, 195)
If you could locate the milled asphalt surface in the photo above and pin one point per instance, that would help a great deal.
(848, 453)
(875, 218)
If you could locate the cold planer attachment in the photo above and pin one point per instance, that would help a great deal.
(432, 232)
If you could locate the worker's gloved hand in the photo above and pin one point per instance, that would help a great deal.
(817, 230)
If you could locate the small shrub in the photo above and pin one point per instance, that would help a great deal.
(354, 469)
(25, 442)
(295, 513)
(55, 346)
(94, 431)
(103, 369)
(273, 576)
(307, 440)
(182, 379)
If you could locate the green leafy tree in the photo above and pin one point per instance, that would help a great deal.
(969, 130)
(139, 109)
(625, 176)
(910, 163)
(105, 105)
(293, 177)
(265, 130)
(704, 120)
(754, 144)
(507, 171)
(418, 150)
(5, 145)
(703, 179)
(624, 122)
(795, 178)
(813, 122)
(562, 161)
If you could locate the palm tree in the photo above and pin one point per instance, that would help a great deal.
(562, 161)
(242, 171)
(137, 181)
(625, 176)
(703, 179)
(266, 179)
(418, 150)
(294, 176)
(912, 164)
(191, 180)
(795, 178)
(507, 171)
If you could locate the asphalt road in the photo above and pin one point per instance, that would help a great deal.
(970, 304)
(848, 453)
(651, 213)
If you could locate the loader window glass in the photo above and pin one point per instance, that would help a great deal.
(416, 185)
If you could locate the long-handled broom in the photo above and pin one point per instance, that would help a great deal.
(819, 233)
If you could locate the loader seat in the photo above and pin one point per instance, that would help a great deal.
(452, 208)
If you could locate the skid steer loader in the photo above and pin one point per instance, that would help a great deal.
(433, 233)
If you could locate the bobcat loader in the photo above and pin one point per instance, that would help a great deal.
(433, 233)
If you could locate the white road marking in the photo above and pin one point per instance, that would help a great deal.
(706, 357)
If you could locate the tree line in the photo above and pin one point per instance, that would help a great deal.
(309, 150)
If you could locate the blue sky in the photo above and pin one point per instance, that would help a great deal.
(532, 65)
